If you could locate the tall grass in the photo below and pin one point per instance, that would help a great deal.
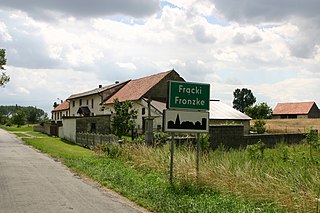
(285, 175)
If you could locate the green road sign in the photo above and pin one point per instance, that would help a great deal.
(188, 95)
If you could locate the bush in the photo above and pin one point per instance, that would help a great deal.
(256, 151)
(160, 137)
(259, 126)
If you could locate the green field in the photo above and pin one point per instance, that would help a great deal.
(254, 179)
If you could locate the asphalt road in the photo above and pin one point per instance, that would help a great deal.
(33, 182)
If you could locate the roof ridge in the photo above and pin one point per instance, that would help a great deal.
(152, 75)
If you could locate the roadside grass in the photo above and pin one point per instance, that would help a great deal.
(286, 175)
(14, 128)
(25, 131)
(147, 186)
(59, 148)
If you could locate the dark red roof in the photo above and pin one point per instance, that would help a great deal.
(63, 106)
(300, 108)
(135, 89)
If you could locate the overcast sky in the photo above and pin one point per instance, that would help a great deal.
(56, 47)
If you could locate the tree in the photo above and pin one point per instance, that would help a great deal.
(259, 111)
(4, 79)
(124, 118)
(19, 118)
(32, 114)
(242, 99)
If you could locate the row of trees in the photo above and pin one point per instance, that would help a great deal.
(20, 115)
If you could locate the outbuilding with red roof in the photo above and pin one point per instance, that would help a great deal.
(296, 110)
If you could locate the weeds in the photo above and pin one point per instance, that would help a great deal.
(256, 151)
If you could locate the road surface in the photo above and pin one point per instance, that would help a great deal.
(33, 182)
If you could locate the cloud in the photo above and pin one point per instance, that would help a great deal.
(303, 14)
(4, 34)
(243, 39)
(53, 9)
(290, 90)
(257, 11)
(127, 65)
(201, 35)
(41, 87)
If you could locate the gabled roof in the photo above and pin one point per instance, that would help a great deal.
(299, 108)
(95, 91)
(61, 107)
(135, 89)
(221, 111)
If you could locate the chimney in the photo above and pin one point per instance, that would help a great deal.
(100, 86)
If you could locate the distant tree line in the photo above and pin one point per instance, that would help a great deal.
(21, 115)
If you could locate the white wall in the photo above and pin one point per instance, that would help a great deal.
(139, 105)
(68, 130)
(86, 101)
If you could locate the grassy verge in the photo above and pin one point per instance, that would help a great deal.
(286, 175)
(145, 185)
(23, 131)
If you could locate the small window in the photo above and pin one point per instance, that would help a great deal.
(92, 103)
(87, 102)
(80, 102)
(143, 111)
(73, 103)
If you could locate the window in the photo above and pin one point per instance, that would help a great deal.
(143, 111)
(73, 103)
(80, 102)
(92, 103)
(87, 102)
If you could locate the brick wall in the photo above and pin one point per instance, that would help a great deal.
(227, 135)
(96, 124)
(231, 136)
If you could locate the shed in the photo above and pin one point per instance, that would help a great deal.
(221, 113)
(296, 110)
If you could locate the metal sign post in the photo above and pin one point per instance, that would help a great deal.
(171, 157)
(187, 111)
(198, 152)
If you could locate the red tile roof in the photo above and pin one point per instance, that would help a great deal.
(135, 89)
(63, 106)
(300, 108)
